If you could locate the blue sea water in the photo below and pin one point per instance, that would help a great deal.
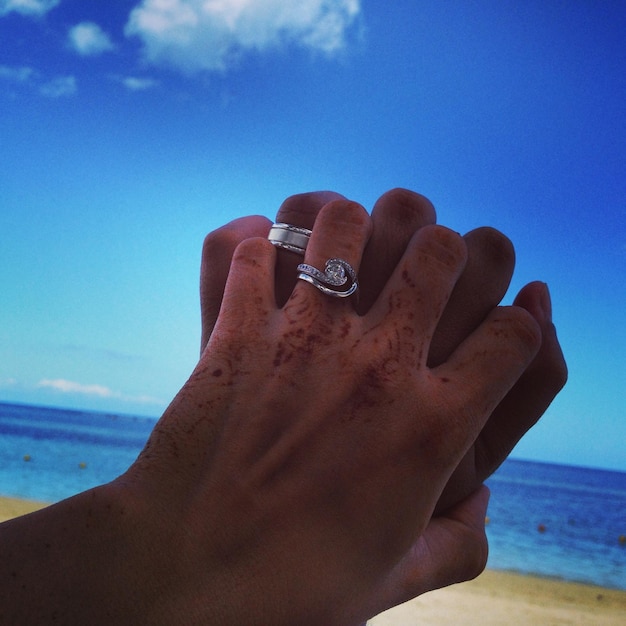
(66, 451)
(550, 520)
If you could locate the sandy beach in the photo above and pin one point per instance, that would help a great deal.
(13, 507)
(499, 598)
(493, 599)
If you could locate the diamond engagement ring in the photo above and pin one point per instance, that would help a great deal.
(337, 273)
(288, 237)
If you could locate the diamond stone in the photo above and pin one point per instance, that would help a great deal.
(336, 273)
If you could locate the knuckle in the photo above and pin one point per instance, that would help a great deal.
(408, 204)
(494, 247)
(347, 213)
(302, 209)
(253, 252)
(217, 241)
(516, 325)
(444, 246)
(228, 237)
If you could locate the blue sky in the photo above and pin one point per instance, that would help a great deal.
(130, 129)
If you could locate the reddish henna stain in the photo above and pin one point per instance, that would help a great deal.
(251, 261)
(217, 373)
(390, 367)
(406, 277)
(346, 327)
(278, 357)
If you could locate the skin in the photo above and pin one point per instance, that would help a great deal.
(396, 216)
(268, 494)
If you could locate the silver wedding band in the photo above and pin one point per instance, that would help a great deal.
(288, 237)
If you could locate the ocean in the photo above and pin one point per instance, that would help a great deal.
(550, 520)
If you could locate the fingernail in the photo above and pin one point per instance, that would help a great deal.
(546, 302)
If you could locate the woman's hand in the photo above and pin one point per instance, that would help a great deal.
(396, 217)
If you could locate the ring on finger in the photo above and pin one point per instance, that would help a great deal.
(337, 273)
(288, 237)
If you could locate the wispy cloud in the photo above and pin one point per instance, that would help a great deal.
(19, 74)
(88, 39)
(62, 385)
(195, 35)
(69, 386)
(27, 7)
(59, 87)
(133, 83)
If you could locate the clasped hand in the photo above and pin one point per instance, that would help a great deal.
(303, 460)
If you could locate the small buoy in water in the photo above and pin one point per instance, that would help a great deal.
(541, 528)
(27, 457)
(82, 465)
(622, 540)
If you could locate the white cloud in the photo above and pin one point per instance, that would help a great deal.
(59, 87)
(52, 88)
(195, 35)
(62, 385)
(88, 39)
(27, 7)
(133, 83)
(69, 386)
(21, 74)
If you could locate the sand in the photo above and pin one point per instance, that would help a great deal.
(13, 507)
(502, 598)
(493, 599)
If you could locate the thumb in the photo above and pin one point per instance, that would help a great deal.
(452, 549)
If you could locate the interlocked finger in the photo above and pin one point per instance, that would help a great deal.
(334, 253)
(298, 212)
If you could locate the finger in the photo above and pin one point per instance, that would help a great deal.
(484, 369)
(481, 287)
(413, 300)
(453, 549)
(519, 410)
(340, 232)
(396, 216)
(532, 394)
(249, 295)
(217, 253)
(302, 209)
(247, 301)
(298, 210)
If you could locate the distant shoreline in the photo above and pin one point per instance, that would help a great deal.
(154, 418)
